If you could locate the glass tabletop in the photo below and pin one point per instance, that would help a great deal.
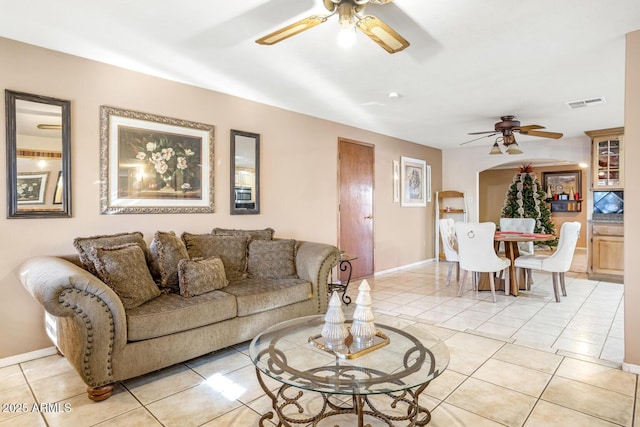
(286, 353)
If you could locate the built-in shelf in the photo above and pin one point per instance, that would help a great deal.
(565, 205)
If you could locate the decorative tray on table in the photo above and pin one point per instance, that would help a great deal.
(352, 351)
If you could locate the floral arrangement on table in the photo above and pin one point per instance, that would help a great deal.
(172, 160)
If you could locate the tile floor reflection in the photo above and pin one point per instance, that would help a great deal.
(523, 361)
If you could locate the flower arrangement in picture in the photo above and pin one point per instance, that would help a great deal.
(414, 181)
(172, 162)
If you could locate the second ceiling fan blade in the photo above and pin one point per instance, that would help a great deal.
(541, 133)
(382, 34)
(292, 30)
(530, 127)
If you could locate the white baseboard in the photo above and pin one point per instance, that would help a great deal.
(25, 357)
(404, 267)
(628, 367)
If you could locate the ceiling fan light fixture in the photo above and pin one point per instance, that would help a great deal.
(346, 37)
(514, 148)
(495, 149)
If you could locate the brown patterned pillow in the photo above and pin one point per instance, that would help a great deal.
(231, 249)
(84, 244)
(167, 250)
(199, 276)
(266, 234)
(273, 259)
(124, 269)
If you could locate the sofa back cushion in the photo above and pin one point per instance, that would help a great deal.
(231, 249)
(200, 276)
(273, 259)
(167, 250)
(266, 234)
(124, 269)
(84, 244)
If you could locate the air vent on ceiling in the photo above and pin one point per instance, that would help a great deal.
(587, 102)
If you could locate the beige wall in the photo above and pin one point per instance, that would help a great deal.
(632, 202)
(298, 176)
(493, 186)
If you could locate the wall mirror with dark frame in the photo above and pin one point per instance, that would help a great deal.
(245, 173)
(38, 156)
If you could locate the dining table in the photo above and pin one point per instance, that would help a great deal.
(511, 251)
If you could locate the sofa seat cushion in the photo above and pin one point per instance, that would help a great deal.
(255, 295)
(170, 313)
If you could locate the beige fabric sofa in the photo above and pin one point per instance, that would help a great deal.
(106, 343)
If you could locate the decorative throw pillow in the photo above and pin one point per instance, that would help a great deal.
(124, 269)
(167, 250)
(84, 244)
(231, 249)
(274, 259)
(198, 276)
(266, 234)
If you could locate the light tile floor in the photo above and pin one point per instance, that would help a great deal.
(523, 361)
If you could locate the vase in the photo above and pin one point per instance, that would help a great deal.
(167, 184)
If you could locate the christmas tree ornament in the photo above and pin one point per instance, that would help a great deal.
(363, 329)
(335, 331)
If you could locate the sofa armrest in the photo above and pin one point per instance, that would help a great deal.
(314, 262)
(91, 319)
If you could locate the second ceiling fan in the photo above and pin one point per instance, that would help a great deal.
(350, 14)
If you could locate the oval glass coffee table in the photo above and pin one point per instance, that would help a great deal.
(317, 383)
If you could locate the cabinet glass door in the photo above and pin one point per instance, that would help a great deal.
(608, 168)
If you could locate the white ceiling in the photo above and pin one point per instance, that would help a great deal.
(469, 62)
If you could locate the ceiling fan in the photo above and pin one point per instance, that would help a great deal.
(508, 125)
(350, 14)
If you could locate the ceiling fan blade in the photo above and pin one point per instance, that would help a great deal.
(530, 127)
(543, 134)
(292, 30)
(480, 133)
(476, 133)
(382, 34)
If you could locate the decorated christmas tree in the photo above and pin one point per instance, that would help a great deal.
(525, 199)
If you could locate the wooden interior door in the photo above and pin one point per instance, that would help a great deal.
(356, 185)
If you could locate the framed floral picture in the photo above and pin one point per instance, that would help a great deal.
(414, 184)
(154, 164)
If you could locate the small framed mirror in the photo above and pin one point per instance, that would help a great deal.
(38, 156)
(245, 173)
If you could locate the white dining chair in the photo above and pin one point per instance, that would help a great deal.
(449, 245)
(524, 225)
(477, 255)
(557, 263)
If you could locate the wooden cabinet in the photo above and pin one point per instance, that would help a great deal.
(607, 252)
(607, 159)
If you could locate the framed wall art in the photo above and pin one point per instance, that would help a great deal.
(154, 164)
(57, 192)
(31, 187)
(396, 181)
(413, 182)
(561, 184)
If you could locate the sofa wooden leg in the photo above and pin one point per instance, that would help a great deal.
(100, 393)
